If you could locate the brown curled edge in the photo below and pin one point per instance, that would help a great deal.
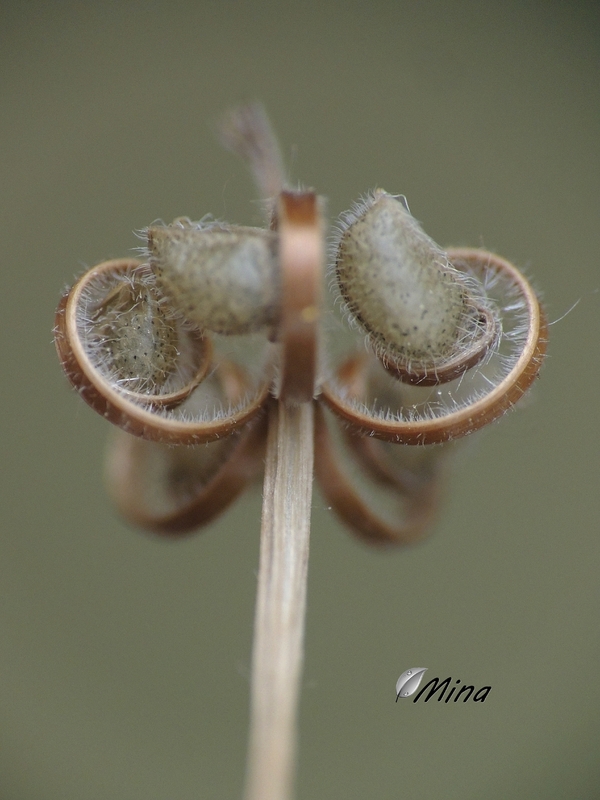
(422, 499)
(298, 223)
(473, 417)
(125, 476)
(453, 367)
(118, 407)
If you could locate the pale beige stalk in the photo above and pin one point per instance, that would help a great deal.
(281, 598)
(281, 602)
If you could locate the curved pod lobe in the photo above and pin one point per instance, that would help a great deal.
(225, 279)
(426, 320)
(512, 377)
(147, 415)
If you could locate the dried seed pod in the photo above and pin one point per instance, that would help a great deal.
(224, 278)
(114, 330)
(137, 334)
(100, 339)
(427, 321)
(427, 415)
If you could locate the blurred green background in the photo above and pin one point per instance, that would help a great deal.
(124, 660)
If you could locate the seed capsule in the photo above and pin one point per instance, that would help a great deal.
(138, 338)
(418, 310)
(223, 278)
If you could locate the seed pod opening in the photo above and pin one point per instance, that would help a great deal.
(363, 393)
(426, 320)
(223, 278)
(136, 334)
(115, 332)
(97, 340)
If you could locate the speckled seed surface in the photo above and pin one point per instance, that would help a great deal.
(140, 341)
(399, 284)
(224, 280)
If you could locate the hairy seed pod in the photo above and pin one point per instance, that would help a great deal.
(223, 278)
(136, 332)
(182, 411)
(419, 311)
(417, 415)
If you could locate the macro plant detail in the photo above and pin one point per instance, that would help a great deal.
(460, 331)
(220, 349)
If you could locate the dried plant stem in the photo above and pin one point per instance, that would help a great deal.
(281, 602)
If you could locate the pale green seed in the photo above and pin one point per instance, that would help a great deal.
(399, 283)
(223, 279)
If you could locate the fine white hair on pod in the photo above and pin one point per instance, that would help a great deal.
(423, 316)
(223, 278)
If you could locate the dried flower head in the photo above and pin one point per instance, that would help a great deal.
(189, 346)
